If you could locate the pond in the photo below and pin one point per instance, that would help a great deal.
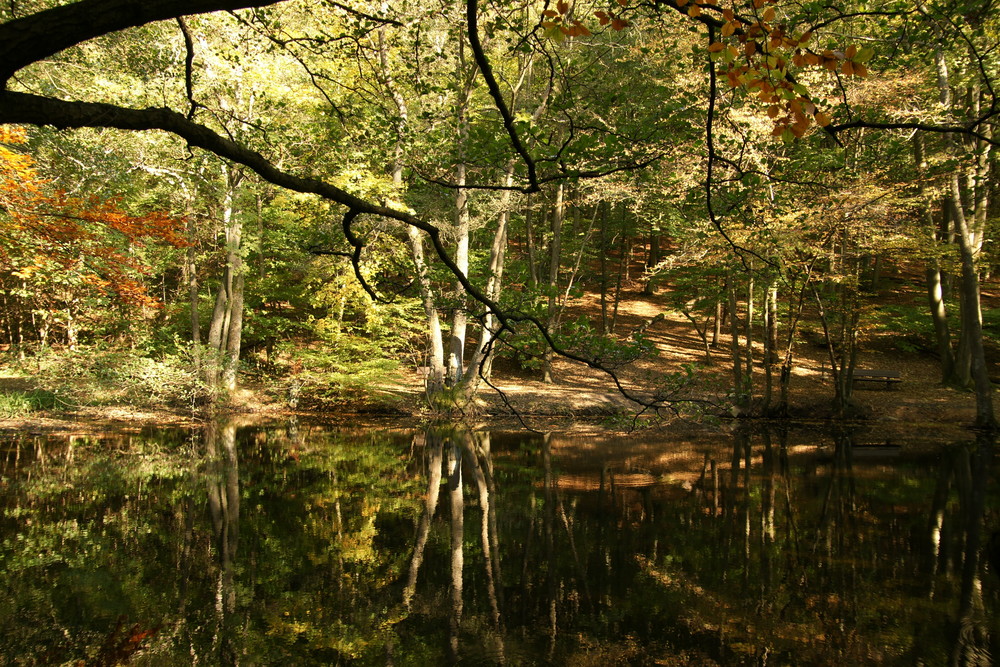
(305, 544)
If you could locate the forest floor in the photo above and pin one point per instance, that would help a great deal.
(586, 398)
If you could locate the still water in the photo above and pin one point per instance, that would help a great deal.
(310, 545)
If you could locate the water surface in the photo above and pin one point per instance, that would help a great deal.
(310, 545)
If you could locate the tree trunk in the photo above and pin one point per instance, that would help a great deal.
(226, 327)
(770, 342)
(933, 273)
(604, 267)
(740, 397)
(555, 258)
(972, 323)
(481, 363)
(435, 345)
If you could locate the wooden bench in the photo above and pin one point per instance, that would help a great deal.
(889, 377)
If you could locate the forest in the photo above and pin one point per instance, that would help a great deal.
(499, 332)
(313, 196)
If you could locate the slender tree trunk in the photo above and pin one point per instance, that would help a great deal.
(459, 321)
(481, 362)
(226, 327)
(529, 230)
(435, 344)
(555, 258)
(972, 323)
(604, 267)
(652, 259)
(933, 273)
(622, 273)
(191, 271)
(741, 400)
(770, 342)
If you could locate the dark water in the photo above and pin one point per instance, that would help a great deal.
(305, 545)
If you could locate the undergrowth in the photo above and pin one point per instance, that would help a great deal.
(97, 377)
(17, 403)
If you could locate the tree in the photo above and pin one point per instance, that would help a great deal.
(59, 251)
(759, 50)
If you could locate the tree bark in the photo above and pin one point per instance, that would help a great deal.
(972, 323)
(555, 259)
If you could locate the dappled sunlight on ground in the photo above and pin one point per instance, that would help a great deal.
(919, 398)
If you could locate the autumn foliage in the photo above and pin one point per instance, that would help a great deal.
(755, 50)
(82, 244)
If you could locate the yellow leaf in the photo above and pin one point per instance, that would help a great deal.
(694, 10)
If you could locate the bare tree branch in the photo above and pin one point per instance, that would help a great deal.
(472, 11)
(37, 36)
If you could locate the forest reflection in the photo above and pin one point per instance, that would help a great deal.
(309, 545)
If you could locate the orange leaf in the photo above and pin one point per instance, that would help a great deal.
(851, 52)
(727, 14)
(822, 119)
(694, 10)
(715, 47)
(550, 13)
(860, 69)
(619, 24)
(729, 29)
(769, 14)
(847, 69)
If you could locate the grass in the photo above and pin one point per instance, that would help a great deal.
(16, 403)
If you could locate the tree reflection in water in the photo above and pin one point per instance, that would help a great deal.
(307, 545)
